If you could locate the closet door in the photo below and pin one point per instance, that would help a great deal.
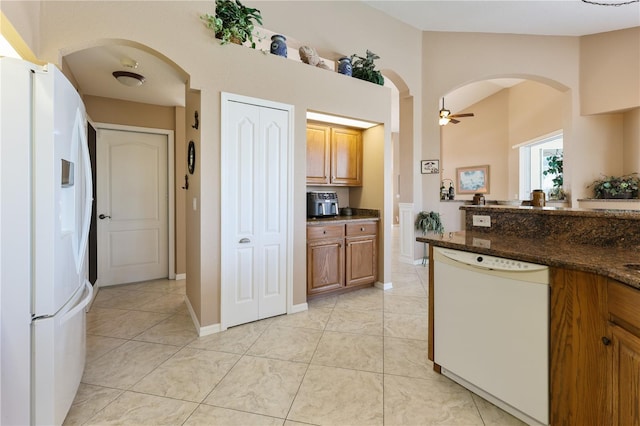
(254, 220)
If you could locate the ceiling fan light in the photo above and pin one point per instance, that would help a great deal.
(444, 121)
(444, 113)
(130, 79)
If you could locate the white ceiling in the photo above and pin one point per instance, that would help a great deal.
(556, 17)
(165, 85)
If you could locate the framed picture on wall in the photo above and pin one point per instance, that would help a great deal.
(428, 167)
(472, 180)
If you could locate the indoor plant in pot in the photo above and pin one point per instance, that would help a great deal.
(429, 222)
(616, 186)
(233, 22)
(364, 68)
(555, 169)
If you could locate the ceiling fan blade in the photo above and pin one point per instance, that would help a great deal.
(469, 114)
(454, 121)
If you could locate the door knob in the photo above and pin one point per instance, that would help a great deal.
(102, 216)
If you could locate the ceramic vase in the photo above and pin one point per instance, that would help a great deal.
(344, 66)
(279, 45)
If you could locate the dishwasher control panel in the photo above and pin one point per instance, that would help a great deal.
(490, 262)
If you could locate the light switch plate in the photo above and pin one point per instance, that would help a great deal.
(482, 220)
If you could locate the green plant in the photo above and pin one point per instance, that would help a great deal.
(616, 186)
(233, 22)
(555, 168)
(429, 222)
(364, 68)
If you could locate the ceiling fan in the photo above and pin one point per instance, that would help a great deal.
(446, 116)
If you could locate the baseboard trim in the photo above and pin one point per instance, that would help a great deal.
(301, 307)
(181, 276)
(383, 286)
(202, 331)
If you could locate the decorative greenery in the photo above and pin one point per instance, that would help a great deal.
(555, 168)
(616, 186)
(364, 68)
(429, 222)
(233, 22)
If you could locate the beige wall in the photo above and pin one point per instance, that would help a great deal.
(212, 69)
(192, 216)
(631, 160)
(115, 111)
(513, 116)
(481, 140)
(425, 66)
(609, 70)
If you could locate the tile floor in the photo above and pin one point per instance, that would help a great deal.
(355, 359)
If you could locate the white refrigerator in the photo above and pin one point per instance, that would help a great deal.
(45, 213)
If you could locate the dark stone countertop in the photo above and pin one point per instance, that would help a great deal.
(606, 261)
(337, 220)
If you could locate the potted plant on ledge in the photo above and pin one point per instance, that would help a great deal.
(616, 186)
(364, 68)
(233, 22)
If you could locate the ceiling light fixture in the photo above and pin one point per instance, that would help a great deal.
(611, 3)
(128, 78)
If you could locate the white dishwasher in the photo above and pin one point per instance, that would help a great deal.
(491, 329)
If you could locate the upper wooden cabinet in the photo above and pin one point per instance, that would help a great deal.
(334, 155)
(318, 154)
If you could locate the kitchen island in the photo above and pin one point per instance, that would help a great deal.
(594, 336)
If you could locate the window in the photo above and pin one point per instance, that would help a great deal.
(534, 159)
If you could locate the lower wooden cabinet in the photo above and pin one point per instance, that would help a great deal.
(341, 256)
(624, 319)
(362, 260)
(626, 377)
(595, 350)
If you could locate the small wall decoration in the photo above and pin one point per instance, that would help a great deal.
(472, 180)
(191, 157)
(196, 122)
(428, 167)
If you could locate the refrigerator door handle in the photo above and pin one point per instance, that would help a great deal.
(88, 188)
(81, 304)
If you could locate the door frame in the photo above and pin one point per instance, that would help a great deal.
(171, 273)
(225, 99)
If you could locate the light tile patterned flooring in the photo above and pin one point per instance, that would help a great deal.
(355, 359)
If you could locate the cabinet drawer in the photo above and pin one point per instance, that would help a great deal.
(365, 228)
(326, 231)
(623, 303)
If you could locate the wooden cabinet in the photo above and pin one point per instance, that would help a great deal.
(624, 311)
(579, 361)
(341, 256)
(334, 155)
(318, 154)
(595, 350)
(325, 258)
(362, 260)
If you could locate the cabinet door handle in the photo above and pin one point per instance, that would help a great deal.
(324, 232)
(362, 229)
(244, 241)
(606, 341)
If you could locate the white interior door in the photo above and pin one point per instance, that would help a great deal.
(255, 197)
(132, 206)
